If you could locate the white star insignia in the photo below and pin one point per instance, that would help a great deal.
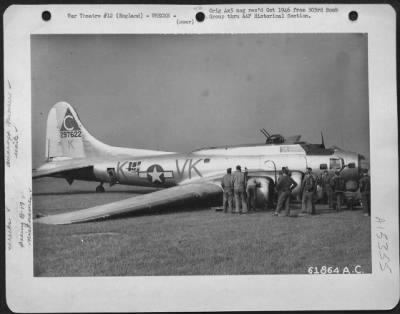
(155, 175)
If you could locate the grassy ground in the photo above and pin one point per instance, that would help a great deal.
(191, 242)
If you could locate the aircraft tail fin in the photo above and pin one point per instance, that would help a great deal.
(66, 137)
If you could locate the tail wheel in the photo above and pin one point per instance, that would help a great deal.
(100, 188)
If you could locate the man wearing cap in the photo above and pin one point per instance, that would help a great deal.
(239, 188)
(227, 185)
(339, 186)
(284, 187)
(365, 189)
(308, 186)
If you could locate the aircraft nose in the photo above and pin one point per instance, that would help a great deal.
(361, 161)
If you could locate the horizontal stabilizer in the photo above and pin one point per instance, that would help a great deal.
(57, 167)
(69, 144)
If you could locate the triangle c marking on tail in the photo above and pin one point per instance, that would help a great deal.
(69, 123)
(69, 126)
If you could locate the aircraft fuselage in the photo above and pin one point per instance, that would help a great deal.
(263, 161)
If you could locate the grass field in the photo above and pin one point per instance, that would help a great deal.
(191, 241)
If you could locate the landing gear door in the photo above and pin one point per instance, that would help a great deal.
(112, 175)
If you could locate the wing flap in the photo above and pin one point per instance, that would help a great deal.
(169, 196)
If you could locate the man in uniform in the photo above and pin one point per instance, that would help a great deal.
(339, 186)
(239, 187)
(326, 188)
(308, 186)
(227, 185)
(365, 189)
(314, 195)
(246, 174)
(284, 187)
(251, 191)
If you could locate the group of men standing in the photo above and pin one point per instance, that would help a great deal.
(243, 189)
(333, 191)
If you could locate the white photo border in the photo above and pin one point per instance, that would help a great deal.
(379, 290)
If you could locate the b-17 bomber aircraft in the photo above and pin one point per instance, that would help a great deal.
(74, 154)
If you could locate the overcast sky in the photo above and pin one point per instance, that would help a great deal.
(183, 92)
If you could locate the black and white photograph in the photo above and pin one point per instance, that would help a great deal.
(200, 158)
(133, 136)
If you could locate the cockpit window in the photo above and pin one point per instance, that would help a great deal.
(206, 160)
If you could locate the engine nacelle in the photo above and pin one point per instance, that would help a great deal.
(352, 185)
(264, 191)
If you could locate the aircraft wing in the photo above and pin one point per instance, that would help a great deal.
(56, 167)
(170, 196)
